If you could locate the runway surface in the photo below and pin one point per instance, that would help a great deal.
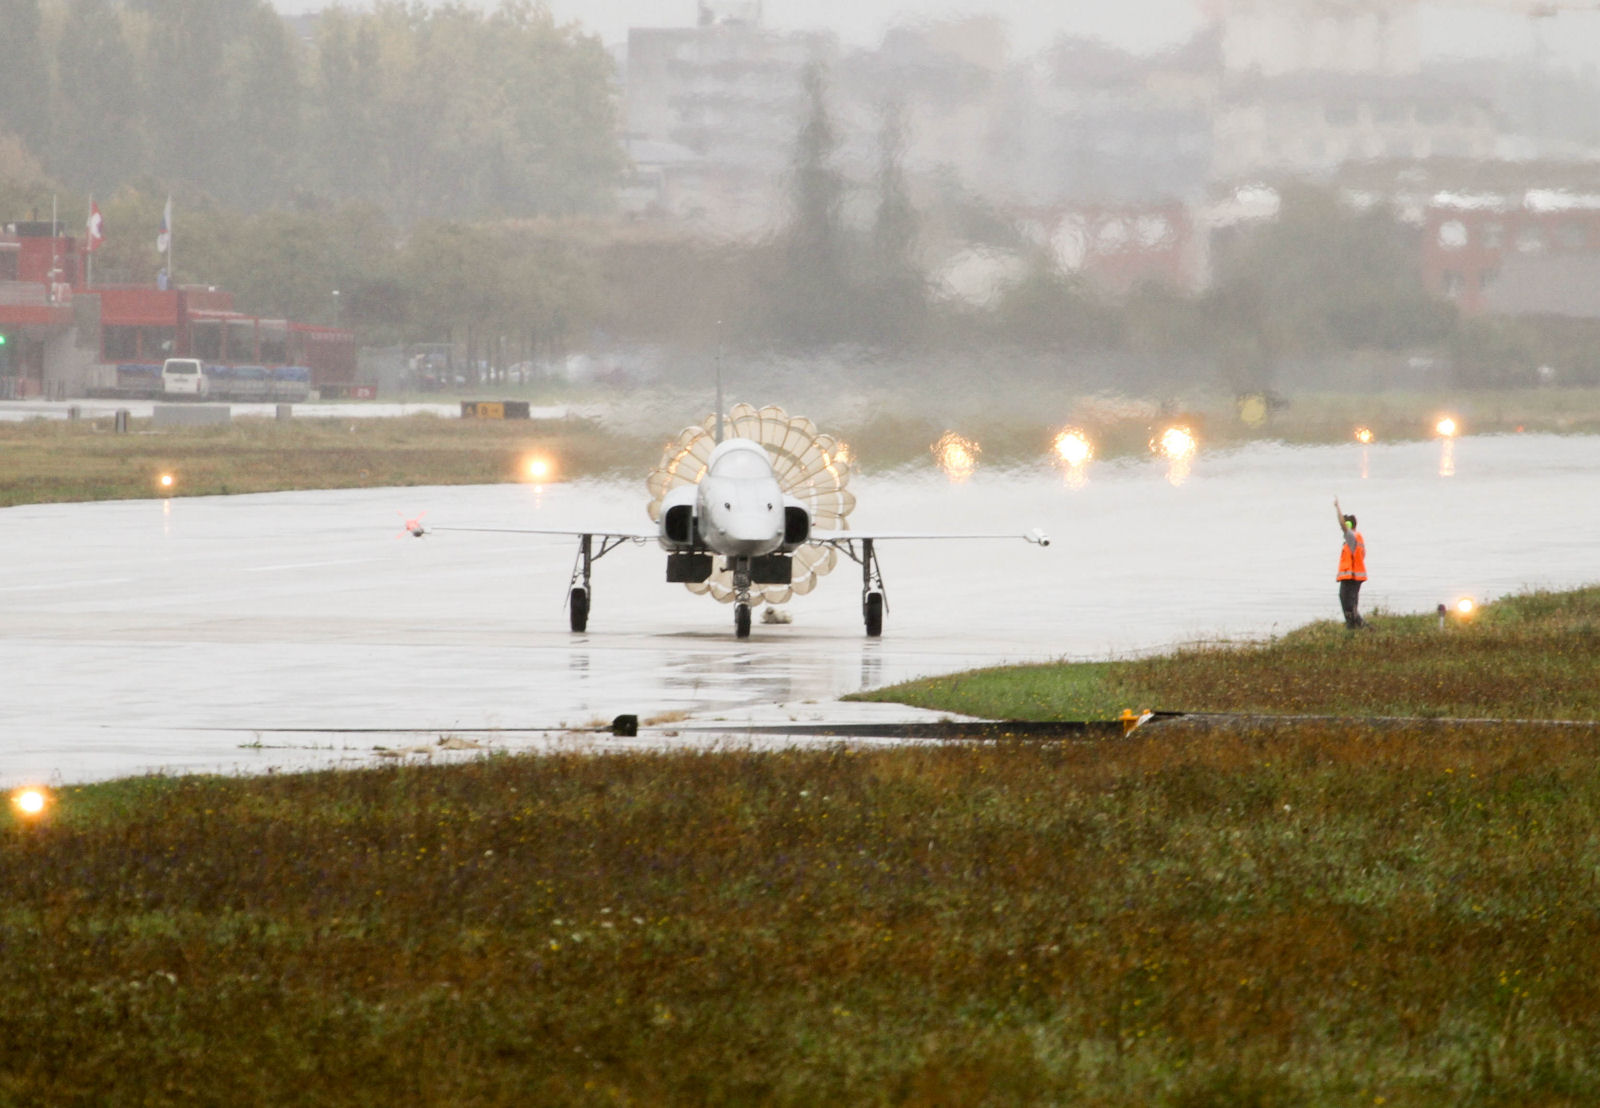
(305, 629)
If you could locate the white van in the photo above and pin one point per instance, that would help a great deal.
(183, 377)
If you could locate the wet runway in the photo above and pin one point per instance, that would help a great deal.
(301, 629)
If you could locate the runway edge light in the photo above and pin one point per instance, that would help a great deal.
(31, 801)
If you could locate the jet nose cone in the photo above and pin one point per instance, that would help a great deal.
(750, 540)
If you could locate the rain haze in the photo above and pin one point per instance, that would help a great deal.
(1110, 269)
(1143, 26)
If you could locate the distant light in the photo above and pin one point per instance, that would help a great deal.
(956, 455)
(1253, 410)
(1446, 427)
(1466, 606)
(166, 480)
(1364, 435)
(538, 468)
(30, 802)
(1073, 447)
(1176, 444)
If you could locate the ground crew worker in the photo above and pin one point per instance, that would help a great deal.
(1352, 567)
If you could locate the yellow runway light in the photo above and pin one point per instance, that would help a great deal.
(1073, 447)
(30, 802)
(166, 482)
(538, 468)
(956, 455)
(1446, 427)
(1364, 435)
(1466, 606)
(1176, 444)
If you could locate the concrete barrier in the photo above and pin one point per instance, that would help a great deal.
(190, 415)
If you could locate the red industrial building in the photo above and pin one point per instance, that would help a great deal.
(1120, 247)
(60, 337)
(1533, 254)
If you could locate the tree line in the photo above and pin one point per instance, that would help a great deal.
(445, 112)
(445, 174)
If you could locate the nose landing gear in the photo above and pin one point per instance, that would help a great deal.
(741, 596)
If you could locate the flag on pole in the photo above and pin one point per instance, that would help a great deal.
(164, 237)
(96, 228)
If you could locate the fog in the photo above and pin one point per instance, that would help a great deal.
(1568, 32)
(1160, 199)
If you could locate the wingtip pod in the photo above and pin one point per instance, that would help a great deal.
(1037, 536)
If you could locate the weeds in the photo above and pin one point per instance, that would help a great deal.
(49, 460)
(1325, 916)
(1523, 657)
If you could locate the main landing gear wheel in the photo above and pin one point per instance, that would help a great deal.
(873, 611)
(579, 609)
(741, 621)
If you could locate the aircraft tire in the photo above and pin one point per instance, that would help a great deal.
(579, 609)
(741, 621)
(873, 611)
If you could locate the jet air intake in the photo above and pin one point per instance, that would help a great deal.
(796, 526)
(677, 526)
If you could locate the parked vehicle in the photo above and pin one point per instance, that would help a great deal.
(284, 383)
(184, 377)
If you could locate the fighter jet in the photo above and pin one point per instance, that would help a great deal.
(739, 522)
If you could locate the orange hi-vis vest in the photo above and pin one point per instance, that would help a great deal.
(1353, 563)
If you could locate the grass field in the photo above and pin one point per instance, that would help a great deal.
(1325, 913)
(56, 460)
(1534, 656)
(51, 460)
(1328, 916)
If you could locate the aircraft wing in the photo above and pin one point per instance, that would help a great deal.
(844, 538)
(569, 532)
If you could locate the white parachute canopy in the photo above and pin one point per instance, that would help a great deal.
(811, 467)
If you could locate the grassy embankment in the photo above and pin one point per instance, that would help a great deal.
(1535, 656)
(1326, 915)
(52, 460)
(44, 461)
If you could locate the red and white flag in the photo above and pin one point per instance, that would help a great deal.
(96, 228)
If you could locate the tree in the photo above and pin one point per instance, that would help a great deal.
(100, 143)
(266, 159)
(24, 79)
(188, 99)
(1324, 277)
(346, 152)
(896, 293)
(812, 295)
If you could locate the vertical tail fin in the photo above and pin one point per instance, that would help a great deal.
(719, 392)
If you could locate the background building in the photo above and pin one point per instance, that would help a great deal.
(63, 337)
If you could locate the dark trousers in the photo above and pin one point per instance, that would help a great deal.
(1349, 595)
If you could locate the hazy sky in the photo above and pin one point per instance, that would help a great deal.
(1135, 24)
(1140, 25)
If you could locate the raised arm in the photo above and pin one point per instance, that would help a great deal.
(1346, 533)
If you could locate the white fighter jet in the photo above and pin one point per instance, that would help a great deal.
(744, 508)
